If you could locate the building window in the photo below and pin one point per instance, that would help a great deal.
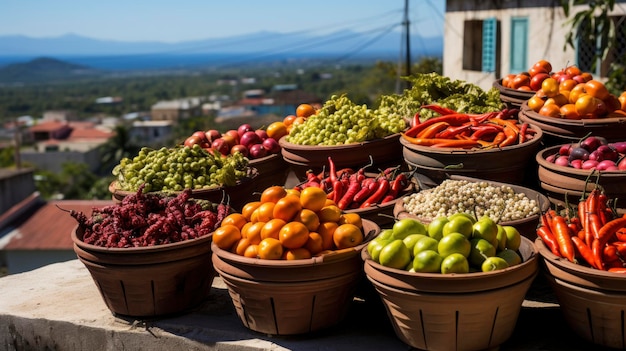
(519, 44)
(481, 44)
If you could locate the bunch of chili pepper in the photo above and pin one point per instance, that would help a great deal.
(464, 130)
(351, 189)
(596, 235)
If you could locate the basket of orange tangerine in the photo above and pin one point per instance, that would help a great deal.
(291, 260)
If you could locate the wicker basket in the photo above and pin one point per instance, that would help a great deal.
(593, 302)
(472, 311)
(280, 297)
(149, 281)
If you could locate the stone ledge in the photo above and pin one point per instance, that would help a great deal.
(58, 307)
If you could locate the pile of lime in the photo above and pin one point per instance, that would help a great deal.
(459, 243)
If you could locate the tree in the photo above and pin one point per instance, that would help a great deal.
(594, 25)
(116, 148)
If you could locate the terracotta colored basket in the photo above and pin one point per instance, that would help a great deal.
(559, 182)
(507, 164)
(526, 226)
(382, 152)
(473, 311)
(280, 297)
(513, 98)
(561, 131)
(149, 281)
(238, 195)
(592, 301)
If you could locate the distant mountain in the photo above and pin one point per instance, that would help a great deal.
(44, 69)
(338, 43)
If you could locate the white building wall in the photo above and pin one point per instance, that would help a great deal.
(546, 38)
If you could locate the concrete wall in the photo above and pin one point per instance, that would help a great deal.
(546, 36)
(53, 160)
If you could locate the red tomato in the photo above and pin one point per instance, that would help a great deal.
(544, 65)
(596, 89)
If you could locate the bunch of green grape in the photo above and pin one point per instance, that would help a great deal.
(341, 121)
(178, 168)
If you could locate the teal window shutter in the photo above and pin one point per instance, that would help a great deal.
(489, 45)
(519, 44)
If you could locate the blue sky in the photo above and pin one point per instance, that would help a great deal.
(183, 20)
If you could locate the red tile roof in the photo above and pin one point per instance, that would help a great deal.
(46, 227)
(49, 126)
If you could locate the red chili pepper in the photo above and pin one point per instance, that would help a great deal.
(383, 187)
(433, 129)
(610, 253)
(584, 251)
(609, 229)
(368, 186)
(348, 196)
(479, 132)
(416, 119)
(455, 119)
(621, 248)
(563, 237)
(332, 170)
(522, 133)
(397, 185)
(450, 132)
(620, 234)
(511, 136)
(548, 238)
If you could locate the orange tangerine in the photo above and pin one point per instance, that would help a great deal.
(326, 230)
(277, 130)
(287, 207)
(347, 235)
(225, 236)
(313, 198)
(241, 246)
(236, 219)
(296, 254)
(293, 235)
(272, 228)
(315, 243)
(308, 218)
(330, 213)
(352, 218)
(253, 232)
(248, 208)
(265, 212)
(273, 194)
(252, 251)
(305, 110)
(270, 249)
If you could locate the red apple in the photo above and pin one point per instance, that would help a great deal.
(271, 145)
(622, 164)
(212, 134)
(221, 145)
(262, 133)
(193, 140)
(200, 134)
(250, 138)
(234, 134)
(239, 148)
(243, 128)
(230, 140)
(258, 151)
(537, 79)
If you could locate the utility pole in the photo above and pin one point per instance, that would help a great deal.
(407, 51)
